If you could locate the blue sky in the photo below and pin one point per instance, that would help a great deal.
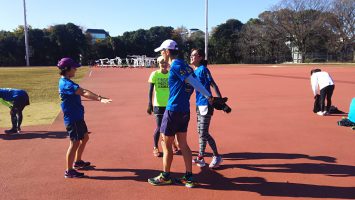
(119, 16)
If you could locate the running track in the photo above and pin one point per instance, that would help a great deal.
(273, 146)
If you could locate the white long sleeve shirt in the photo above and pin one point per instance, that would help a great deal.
(321, 79)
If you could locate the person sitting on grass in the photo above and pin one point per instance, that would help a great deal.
(73, 110)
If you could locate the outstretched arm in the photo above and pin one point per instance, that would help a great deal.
(199, 87)
(90, 95)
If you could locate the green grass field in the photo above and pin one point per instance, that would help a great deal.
(41, 84)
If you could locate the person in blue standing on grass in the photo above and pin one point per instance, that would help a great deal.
(176, 117)
(73, 110)
(204, 110)
(16, 100)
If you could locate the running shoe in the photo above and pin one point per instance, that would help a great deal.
(320, 113)
(73, 174)
(160, 180)
(11, 131)
(199, 162)
(188, 182)
(216, 161)
(81, 164)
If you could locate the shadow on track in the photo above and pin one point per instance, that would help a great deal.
(298, 77)
(26, 135)
(256, 156)
(333, 170)
(141, 175)
(286, 189)
(212, 180)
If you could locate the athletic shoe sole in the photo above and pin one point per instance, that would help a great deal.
(162, 183)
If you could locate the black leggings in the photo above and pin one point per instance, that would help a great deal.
(158, 119)
(158, 113)
(16, 118)
(326, 93)
(16, 111)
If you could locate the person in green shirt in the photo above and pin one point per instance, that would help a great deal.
(158, 82)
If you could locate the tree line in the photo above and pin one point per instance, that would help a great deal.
(318, 30)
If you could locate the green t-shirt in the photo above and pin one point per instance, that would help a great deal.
(161, 88)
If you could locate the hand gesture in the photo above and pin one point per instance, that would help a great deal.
(105, 100)
(150, 109)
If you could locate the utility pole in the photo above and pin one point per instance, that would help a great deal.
(26, 35)
(206, 31)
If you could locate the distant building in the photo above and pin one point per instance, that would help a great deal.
(295, 53)
(97, 34)
(192, 30)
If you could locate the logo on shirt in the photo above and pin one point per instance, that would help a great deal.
(188, 88)
(162, 83)
(189, 70)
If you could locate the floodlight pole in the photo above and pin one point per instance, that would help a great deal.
(26, 35)
(206, 31)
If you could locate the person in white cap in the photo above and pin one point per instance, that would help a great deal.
(158, 82)
(176, 117)
(326, 86)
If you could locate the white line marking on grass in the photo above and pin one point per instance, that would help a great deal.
(90, 73)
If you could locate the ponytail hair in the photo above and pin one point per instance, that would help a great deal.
(202, 54)
(204, 63)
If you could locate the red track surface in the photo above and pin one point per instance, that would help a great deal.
(273, 146)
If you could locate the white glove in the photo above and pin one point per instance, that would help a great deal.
(105, 100)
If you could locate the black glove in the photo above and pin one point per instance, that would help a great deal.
(219, 103)
(150, 109)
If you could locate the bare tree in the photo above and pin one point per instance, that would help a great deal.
(261, 44)
(343, 24)
(298, 20)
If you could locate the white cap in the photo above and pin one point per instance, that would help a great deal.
(167, 44)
